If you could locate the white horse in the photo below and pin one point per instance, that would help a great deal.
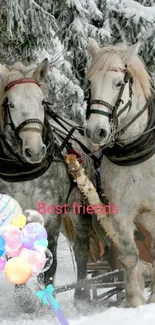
(120, 88)
(28, 173)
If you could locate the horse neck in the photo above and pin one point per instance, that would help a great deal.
(140, 124)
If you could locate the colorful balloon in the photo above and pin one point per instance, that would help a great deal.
(9, 208)
(33, 216)
(34, 229)
(2, 252)
(19, 221)
(13, 238)
(2, 263)
(13, 253)
(28, 242)
(36, 259)
(2, 243)
(17, 270)
(41, 244)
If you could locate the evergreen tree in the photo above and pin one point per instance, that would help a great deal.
(58, 29)
(131, 21)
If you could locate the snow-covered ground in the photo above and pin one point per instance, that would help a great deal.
(65, 274)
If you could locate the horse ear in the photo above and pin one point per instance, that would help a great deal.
(41, 71)
(3, 72)
(132, 51)
(92, 46)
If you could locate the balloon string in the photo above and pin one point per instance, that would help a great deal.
(54, 305)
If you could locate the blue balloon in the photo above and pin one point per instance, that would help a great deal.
(28, 242)
(41, 244)
(1, 252)
(2, 243)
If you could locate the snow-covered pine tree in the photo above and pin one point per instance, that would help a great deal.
(34, 29)
(76, 24)
(131, 21)
(29, 32)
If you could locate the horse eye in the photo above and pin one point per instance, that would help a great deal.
(119, 84)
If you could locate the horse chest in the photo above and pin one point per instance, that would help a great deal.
(128, 187)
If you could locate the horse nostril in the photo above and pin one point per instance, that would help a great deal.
(102, 133)
(87, 133)
(28, 153)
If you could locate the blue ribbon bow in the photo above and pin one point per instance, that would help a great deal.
(48, 299)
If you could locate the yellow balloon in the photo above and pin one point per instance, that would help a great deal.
(19, 221)
(17, 270)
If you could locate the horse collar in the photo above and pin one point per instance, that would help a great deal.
(13, 169)
(138, 151)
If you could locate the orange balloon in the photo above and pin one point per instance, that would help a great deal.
(17, 270)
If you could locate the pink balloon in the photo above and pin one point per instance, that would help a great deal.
(2, 263)
(36, 259)
(13, 253)
(13, 238)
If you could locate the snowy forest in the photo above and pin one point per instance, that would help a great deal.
(31, 30)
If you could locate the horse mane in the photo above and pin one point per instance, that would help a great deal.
(19, 70)
(107, 58)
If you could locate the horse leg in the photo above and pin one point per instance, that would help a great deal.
(83, 226)
(129, 258)
(25, 300)
(53, 228)
(148, 222)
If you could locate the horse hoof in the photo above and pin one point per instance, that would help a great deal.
(82, 294)
(132, 303)
(151, 300)
(24, 299)
(82, 301)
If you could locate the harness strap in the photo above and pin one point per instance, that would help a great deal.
(128, 104)
(97, 111)
(148, 103)
(21, 81)
(57, 119)
(101, 102)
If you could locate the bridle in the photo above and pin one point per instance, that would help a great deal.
(7, 108)
(114, 114)
(45, 130)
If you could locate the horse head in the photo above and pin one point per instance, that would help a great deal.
(120, 85)
(22, 109)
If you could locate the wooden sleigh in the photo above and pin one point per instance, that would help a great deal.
(103, 268)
